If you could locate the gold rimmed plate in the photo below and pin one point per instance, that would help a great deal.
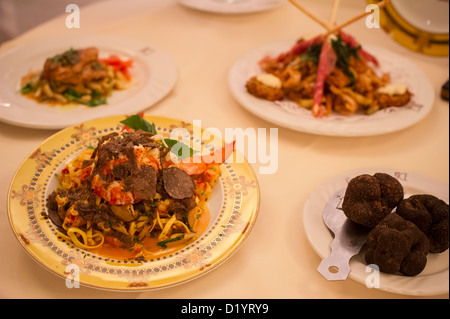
(233, 208)
(420, 25)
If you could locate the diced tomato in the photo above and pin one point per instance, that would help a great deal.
(85, 172)
(119, 65)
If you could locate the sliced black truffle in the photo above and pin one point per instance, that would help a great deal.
(92, 212)
(397, 245)
(431, 215)
(142, 182)
(177, 183)
(52, 209)
(368, 199)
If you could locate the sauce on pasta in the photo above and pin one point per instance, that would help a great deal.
(127, 199)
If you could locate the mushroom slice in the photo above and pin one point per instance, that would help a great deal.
(125, 213)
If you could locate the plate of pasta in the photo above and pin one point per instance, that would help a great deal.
(59, 82)
(364, 91)
(127, 207)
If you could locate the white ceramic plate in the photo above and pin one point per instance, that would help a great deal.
(435, 277)
(288, 114)
(154, 75)
(232, 6)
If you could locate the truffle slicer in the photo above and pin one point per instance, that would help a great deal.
(349, 237)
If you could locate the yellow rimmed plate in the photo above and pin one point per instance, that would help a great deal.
(233, 207)
(420, 25)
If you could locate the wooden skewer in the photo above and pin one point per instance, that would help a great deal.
(309, 14)
(354, 19)
(333, 14)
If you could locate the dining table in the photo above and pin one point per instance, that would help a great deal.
(280, 256)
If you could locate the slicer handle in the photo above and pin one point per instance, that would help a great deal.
(336, 266)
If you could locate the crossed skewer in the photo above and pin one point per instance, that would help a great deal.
(330, 27)
(328, 58)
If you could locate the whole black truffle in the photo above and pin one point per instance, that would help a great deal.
(397, 245)
(431, 215)
(368, 199)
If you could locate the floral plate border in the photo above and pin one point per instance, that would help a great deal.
(36, 233)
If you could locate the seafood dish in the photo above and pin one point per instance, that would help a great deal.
(77, 77)
(131, 197)
(328, 74)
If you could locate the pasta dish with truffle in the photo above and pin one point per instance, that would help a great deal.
(77, 76)
(130, 198)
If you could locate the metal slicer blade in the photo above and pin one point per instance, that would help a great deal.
(349, 237)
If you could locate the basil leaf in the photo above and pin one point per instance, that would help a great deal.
(136, 122)
(181, 150)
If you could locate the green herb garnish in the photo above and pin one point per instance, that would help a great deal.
(183, 150)
(27, 88)
(344, 52)
(70, 57)
(75, 96)
(312, 54)
(96, 99)
(137, 122)
(72, 94)
(164, 243)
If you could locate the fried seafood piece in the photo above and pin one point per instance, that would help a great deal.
(397, 245)
(345, 104)
(368, 199)
(431, 215)
(338, 78)
(264, 91)
(386, 100)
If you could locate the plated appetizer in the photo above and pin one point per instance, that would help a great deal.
(131, 197)
(77, 76)
(328, 75)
